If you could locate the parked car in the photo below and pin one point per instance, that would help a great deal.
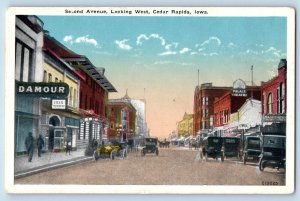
(231, 147)
(150, 146)
(273, 152)
(212, 148)
(110, 150)
(252, 149)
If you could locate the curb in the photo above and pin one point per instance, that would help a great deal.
(44, 168)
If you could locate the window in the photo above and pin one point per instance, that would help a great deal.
(45, 76)
(270, 97)
(281, 99)
(204, 100)
(24, 66)
(56, 79)
(49, 77)
(70, 96)
(75, 98)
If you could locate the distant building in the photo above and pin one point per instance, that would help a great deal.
(122, 119)
(141, 125)
(185, 126)
(28, 68)
(204, 97)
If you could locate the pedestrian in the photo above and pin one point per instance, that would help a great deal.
(40, 144)
(68, 147)
(29, 146)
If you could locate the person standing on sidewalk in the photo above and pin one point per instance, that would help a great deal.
(29, 146)
(40, 144)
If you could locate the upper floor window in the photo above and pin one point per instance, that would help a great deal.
(270, 103)
(45, 76)
(24, 62)
(49, 77)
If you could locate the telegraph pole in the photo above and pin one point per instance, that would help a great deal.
(252, 82)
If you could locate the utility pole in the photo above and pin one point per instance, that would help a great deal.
(252, 82)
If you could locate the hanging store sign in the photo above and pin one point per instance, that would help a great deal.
(59, 104)
(42, 89)
(239, 88)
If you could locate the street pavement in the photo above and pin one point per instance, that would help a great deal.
(47, 161)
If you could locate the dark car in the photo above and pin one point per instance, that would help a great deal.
(273, 152)
(252, 149)
(231, 147)
(212, 148)
(150, 146)
(110, 150)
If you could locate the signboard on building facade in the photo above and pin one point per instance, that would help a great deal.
(59, 104)
(275, 118)
(239, 88)
(42, 89)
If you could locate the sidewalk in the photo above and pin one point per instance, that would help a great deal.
(47, 161)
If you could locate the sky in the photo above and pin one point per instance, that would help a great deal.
(157, 58)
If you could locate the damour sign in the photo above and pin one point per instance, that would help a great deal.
(42, 89)
(239, 88)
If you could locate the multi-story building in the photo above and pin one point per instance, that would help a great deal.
(28, 68)
(229, 104)
(274, 96)
(91, 96)
(185, 126)
(204, 97)
(59, 126)
(122, 119)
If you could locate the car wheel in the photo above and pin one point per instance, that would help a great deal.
(261, 164)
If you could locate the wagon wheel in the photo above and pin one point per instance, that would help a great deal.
(95, 156)
(245, 159)
(261, 164)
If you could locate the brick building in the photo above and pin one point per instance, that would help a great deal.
(274, 96)
(92, 94)
(204, 97)
(122, 119)
(228, 104)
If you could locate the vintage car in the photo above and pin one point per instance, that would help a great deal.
(272, 152)
(212, 148)
(252, 149)
(231, 147)
(110, 150)
(150, 146)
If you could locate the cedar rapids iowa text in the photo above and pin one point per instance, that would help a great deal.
(136, 11)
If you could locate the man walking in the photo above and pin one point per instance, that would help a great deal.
(40, 144)
(29, 146)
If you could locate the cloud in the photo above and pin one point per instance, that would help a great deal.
(169, 52)
(232, 45)
(122, 44)
(86, 39)
(212, 40)
(68, 38)
(141, 37)
(184, 50)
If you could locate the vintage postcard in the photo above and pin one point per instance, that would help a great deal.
(150, 100)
